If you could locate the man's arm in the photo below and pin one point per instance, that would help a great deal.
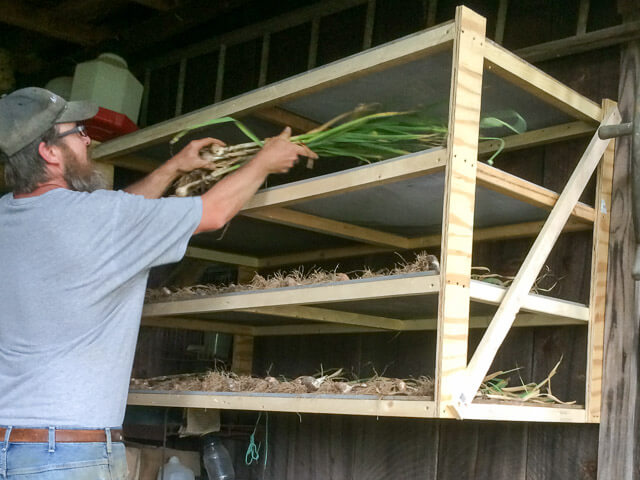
(226, 198)
(188, 159)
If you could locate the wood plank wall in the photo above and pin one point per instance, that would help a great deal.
(619, 446)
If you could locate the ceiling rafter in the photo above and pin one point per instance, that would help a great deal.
(51, 24)
(89, 11)
(170, 23)
(163, 5)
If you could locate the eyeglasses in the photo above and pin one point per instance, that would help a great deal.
(81, 129)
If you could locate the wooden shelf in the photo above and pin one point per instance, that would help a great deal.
(400, 302)
(351, 405)
(443, 197)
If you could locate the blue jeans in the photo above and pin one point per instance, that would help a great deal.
(62, 461)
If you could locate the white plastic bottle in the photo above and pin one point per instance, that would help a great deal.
(217, 460)
(174, 470)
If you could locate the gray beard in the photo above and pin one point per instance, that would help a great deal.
(82, 178)
(86, 183)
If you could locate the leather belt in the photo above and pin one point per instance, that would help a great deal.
(41, 435)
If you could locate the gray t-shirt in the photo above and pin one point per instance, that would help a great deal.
(73, 271)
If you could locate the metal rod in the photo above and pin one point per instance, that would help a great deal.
(614, 131)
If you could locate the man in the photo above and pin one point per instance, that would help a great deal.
(74, 262)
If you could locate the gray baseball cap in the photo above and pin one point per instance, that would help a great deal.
(28, 113)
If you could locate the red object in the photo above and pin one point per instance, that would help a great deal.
(108, 124)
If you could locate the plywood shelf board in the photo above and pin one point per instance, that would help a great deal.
(390, 203)
(413, 207)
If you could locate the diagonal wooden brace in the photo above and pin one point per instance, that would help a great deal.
(471, 378)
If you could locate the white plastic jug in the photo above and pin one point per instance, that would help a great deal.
(106, 82)
(174, 470)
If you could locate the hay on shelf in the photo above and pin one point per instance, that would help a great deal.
(422, 262)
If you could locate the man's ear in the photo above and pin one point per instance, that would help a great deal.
(50, 153)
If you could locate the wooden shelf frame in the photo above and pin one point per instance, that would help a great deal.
(456, 380)
(350, 405)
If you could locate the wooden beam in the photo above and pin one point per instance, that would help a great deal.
(264, 59)
(314, 223)
(47, 22)
(515, 187)
(313, 43)
(330, 316)
(535, 138)
(89, 10)
(347, 405)
(515, 70)
(619, 430)
(222, 55)
(257, 30)
(311, 329)
(493, 294)
(196, 324)
(242, 357)
(459, 203)
(501, 21)
(583, 17)
(375, 59)
(598, 287)
(518, 230)
(305, 295)
(351, 405)
(162, 5)
(524, 413)
(171, 21)
(222, 257)
(320, 255)
(595, 40)
(134, 162)
(513, 299)
(324, 328)
(368, 24)
(478, 321)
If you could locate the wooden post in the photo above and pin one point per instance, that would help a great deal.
(242, 358)
(459, 203)
(619, 426)
(242, 361)
(598, 290)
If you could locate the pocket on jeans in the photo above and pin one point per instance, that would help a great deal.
(64, 472)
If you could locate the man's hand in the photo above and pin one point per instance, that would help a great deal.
(227, 197)
(278, 154)
(186, 160)
(189, 159)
